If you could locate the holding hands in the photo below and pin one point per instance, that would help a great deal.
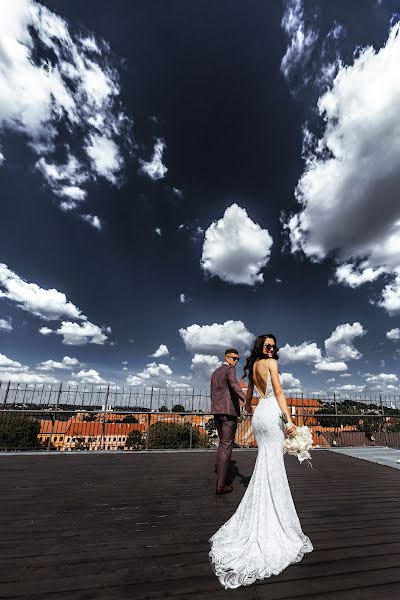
(248, 409)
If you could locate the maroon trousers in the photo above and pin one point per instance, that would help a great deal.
(226, 427)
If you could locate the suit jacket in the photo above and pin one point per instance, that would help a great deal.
(225, 391)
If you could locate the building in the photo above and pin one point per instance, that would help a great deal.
(80, 435)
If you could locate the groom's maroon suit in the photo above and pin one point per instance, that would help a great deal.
(225, 394)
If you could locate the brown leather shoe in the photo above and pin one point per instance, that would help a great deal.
(223, 489)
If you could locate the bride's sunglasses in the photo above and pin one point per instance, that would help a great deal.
(269, 347)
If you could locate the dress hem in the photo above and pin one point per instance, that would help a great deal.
(230, 579)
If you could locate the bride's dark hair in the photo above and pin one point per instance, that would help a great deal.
(257, 352)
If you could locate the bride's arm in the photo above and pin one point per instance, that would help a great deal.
(249, 396)
(279, 395)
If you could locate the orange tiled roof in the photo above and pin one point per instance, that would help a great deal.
(83, 428)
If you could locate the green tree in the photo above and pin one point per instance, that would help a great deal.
(163, 408)
(178, 408)
(134, 439)
(371, 417)
(393, 426)
(18, 432)
(129, 419)
(176, 435)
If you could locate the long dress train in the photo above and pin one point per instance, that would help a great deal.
(264, 535)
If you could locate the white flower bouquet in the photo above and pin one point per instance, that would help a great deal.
(299, 444)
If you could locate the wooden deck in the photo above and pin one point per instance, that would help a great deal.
(135, 526)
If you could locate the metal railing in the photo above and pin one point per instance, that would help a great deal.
(63, 418)
(96, 396)
(92, 397)
(63, 430)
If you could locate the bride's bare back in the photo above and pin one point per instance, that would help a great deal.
(264, 368)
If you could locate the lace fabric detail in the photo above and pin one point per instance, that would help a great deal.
(264, 535)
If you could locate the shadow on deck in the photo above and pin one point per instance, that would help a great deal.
(135, 526)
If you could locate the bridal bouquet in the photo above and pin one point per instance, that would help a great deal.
(300, 444)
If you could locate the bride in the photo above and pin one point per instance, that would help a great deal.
(264, 535)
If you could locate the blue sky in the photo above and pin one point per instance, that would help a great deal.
(178, 178)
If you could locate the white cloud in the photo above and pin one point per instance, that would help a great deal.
(158, 231)
(290, 384)
(304, 352)
(93, 220)
(155, 169)
(5, 325)
(216, 338)
(105, 157)
(177, 385)
(302, 38)
(328, 365)
(352, 177)
(76, 92)
(124, 362)
(155, 370)
(65, 180)
(331, 380)
(339, 346)
(390, 300)
(310, 59)
(8, 363)
(157, 376)
(354, 277)
(66, 363)
(182, 298)
(91, 377)
(135, 381)
(350, 387)
(73, 192)
(154, 375)
(177, 192)
(381, 382)
(236, 249)
(393, 334)
(47, 304)
(382, 378)
(50, 305)
(162, 350)
(75, 334)
(45, 330)
(203, 365)
(14, 371)
(23, 377)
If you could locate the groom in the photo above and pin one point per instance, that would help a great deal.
(225, 395)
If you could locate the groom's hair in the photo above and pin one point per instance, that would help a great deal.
(231, 350)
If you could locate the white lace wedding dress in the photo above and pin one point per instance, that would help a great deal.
(264, 535)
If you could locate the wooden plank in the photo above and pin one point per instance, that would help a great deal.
(125, 526)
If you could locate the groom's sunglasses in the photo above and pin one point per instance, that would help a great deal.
(269, 346)
(233, 357)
